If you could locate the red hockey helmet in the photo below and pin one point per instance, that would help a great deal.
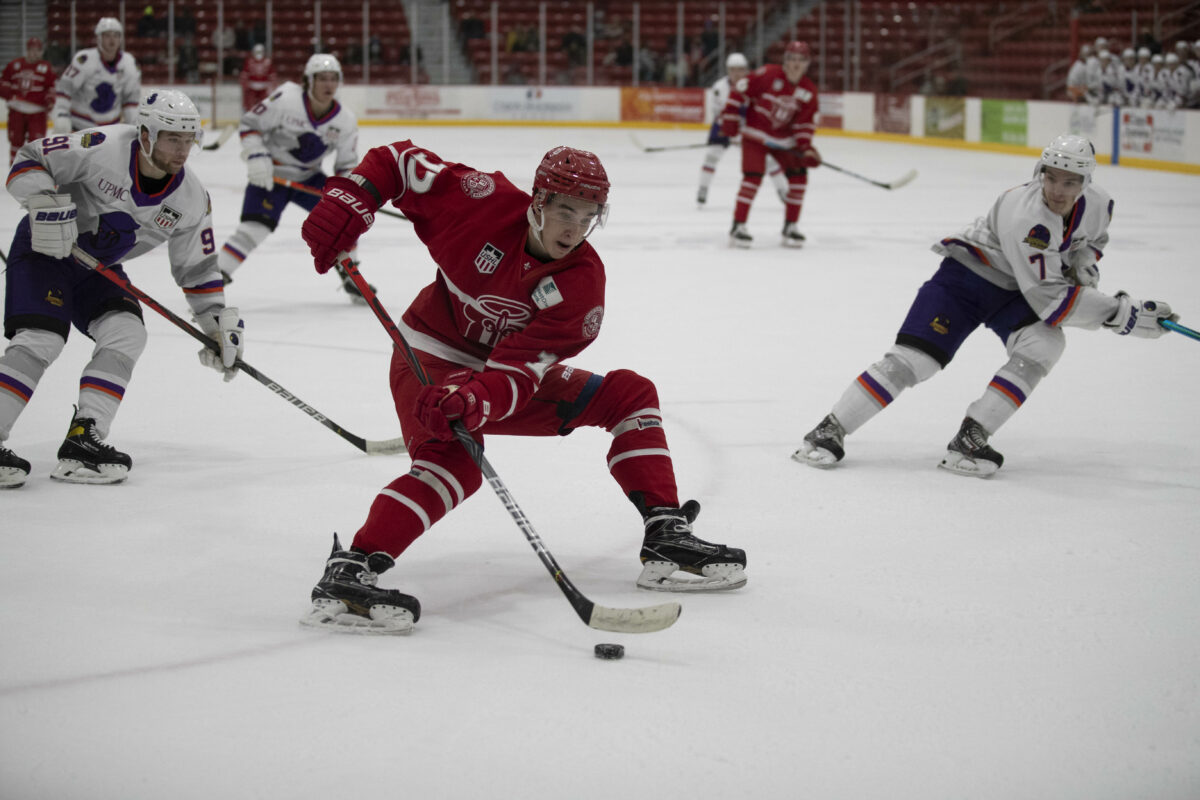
(800, 48)
(577, 173)
(34, 42)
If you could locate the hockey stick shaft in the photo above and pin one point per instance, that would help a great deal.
(1172, 325)
(306, 189)
(367, 446)
(621, 620)
(226, 132)
(893, 185)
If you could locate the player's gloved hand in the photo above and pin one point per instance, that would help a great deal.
(344, 214)
(730, 128)
(1139, 317)
(438, 406)
(52, 228)
(229, 331)
(260, 171)
(810, 158)
(1085, 275)
(60, 124)
(780, 143)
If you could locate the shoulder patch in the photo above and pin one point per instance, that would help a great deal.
(591, 323)
(546, 294)
(477, 185)
(91, 139)
(1038, 237)
(81, 58)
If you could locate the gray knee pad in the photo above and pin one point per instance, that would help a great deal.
(1034, 350)
(120, 336)
(32, 350)
(907, 366)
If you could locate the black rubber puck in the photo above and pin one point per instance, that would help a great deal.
(610, 652)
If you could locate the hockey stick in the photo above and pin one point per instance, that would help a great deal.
(896, 184)
(303, 187)
(369, 447)
(646, 149)
(1171, 325)
(226, 132)
(620, 620)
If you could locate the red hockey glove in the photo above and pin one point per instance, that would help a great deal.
(344, 214)
(438, 406)
(731, 126)
(810, 157)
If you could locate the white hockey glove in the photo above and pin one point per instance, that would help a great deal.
(60, 124)
(229, 331)
(1139, 317)
(52, 226)
(260, 171)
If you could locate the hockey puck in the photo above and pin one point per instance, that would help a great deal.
(610, 652)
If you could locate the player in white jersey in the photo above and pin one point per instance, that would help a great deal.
(101, 85)
(286, 137)
(736, 69)
(1026, 270)
(1129, 83)
(115, 192)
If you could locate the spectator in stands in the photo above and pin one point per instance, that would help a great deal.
(709, 39)
(1077, 75)
(957, 86)
(574, 44)
(621, 55)
(375, 50)
(189, 60)
(1148, 41)
(185, 21)
(471, 27)
(147, 25)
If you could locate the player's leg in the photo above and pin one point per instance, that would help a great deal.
(261, 209)
(796, 179)
(778, 176)
(717, 144)
(754, 156)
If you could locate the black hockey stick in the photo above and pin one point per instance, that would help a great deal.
(620, 620)
(646, 149)
(226, 132)
(369, 447)
(303, 187)
(896, 184)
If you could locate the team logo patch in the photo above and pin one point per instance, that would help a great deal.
(546, 294)
(591, 323)
(477, 185)
(1038, 237)
(940, 325)
(92, 139)
(488, 259)
(167, 218)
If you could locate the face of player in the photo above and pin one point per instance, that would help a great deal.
(109, 44)
(33, 53)
(171, 150)
(567, 221)
(1060, 189)
(794, 66)
(737, 73)
(324, 87)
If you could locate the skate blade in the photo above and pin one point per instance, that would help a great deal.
(71, 471)
(959, 464)
(11, 477)
(793, 243)
(817, 457)
(739, 244)
(384, 620)
(661, 576)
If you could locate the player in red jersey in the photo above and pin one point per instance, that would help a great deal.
(518, 291)
(780, 105)
(257, 77)
(26, 85)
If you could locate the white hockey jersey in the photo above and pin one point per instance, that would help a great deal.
(298, 142)
(718, 96)
(90, 92)
(117, 220)
(1022, 245)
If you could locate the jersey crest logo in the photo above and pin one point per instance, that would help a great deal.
(488, 259)
(1039, 237)
(591, 322)
(940, 325)
(477, 185)
(91, 139)
(167, 218)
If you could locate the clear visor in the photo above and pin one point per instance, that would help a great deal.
(573, 213)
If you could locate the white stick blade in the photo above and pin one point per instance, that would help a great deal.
(635, 620)
(386, 448)
(904, 179)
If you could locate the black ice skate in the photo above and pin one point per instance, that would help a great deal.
(346, 598)
(670, 547)
(348, 285)
(86, 458)
(13, 469)
(739, 236)
(824, 445)
(791, 236)
(969, 454)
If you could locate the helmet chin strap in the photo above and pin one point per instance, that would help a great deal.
(536, 215)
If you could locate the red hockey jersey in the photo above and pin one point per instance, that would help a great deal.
(775, 107)
(492, 306)
(28, 86)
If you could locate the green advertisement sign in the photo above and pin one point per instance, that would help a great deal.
(1005, 122)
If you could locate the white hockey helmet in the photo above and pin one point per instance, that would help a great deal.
(1172, 58)
(1128, 53)
(167, 110)
(736, 60)
(1156, 58)
(322, 62)
(259, 51)
(1143, 52)
(1069, 152)
(109, 25)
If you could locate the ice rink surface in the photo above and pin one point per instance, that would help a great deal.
(906, 634)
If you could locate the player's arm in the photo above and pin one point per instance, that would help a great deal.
(131, 92)
(347, 152)
(68, 85)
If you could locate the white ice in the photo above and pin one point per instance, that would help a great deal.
(905, 633)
